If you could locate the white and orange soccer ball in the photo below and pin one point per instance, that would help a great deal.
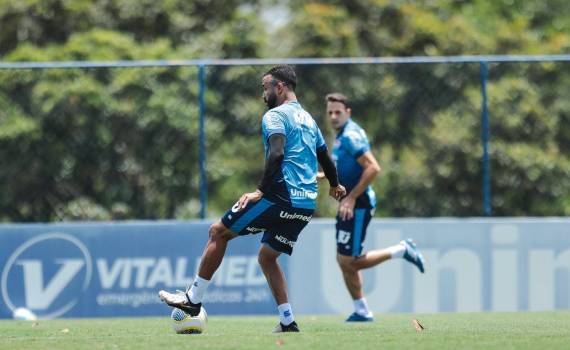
(186, 324)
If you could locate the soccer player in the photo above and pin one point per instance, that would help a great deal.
(357, 168)
(283, 203)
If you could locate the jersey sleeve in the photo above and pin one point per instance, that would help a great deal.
(272, 123)
(355, 142)
(321, 144)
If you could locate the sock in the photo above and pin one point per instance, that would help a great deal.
(197, 290)
(285, 314)
(397, 251)
(361, 307)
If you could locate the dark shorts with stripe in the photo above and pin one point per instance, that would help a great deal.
(280, 225)
(350, 234)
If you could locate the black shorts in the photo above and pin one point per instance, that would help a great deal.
(280, 225)
(350, 234)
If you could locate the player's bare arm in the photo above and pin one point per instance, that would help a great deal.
(272, 166)
(371, 168)
(337, 191)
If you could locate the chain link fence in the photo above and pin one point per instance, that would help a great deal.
(175, 140)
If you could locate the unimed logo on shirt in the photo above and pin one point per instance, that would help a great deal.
(303, 194)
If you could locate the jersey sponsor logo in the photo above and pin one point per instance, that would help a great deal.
(303, 194)
(254, 229)
(285, 241)
(295, 216)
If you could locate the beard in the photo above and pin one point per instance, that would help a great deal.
(271, 100)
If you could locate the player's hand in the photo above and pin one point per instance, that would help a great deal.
(346, 208)
(320, 175)
(337, 192)
(247, 198)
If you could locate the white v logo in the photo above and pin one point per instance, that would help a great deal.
(38, 297)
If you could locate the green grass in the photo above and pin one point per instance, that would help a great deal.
(539, 330)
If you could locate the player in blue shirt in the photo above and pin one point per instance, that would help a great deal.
(283, 203)
(357, 168)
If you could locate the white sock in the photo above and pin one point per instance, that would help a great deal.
(285, 314)
(398, 250)
(197, 290)
(361, 307)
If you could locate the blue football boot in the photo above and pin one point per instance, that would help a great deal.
(354, 317)
(413, 254)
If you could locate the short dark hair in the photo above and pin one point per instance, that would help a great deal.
(337, 97)
(285, 74)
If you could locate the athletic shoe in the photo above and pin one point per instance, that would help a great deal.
(354, 317)
(181, 301)
(413, 254)
(281, 328)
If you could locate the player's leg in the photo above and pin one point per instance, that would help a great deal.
(273, 273)
(288, 223)
(352, 276)
(405, 249)
(218, 237)
(368, 259)
(278, 285)
(232, 224)
(191, 300)
(350, 238)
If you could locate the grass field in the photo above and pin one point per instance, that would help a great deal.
(544, 330)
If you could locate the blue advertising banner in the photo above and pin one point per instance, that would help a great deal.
(108, 269)
(116, 269)
(478, 264)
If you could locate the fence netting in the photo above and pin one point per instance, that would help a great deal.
(123, 143)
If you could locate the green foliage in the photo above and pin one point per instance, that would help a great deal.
(107, 137)
(103, 144)
(425, 120)
(56, 21)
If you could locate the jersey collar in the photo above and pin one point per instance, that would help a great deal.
(343, 127)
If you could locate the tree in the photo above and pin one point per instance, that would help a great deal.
(122, 143)
(109, 143)
(424, 119)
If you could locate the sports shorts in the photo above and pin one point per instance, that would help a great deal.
(350, 234)
(280, 225)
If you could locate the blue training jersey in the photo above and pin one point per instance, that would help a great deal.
(296, 183)
(350, 143)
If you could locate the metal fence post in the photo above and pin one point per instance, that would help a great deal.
(202, 142)
(486, 184)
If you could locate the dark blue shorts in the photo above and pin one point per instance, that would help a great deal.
(350, 234)
(280, 225)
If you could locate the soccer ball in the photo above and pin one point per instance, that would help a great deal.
(182, 323)
(24, 314)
